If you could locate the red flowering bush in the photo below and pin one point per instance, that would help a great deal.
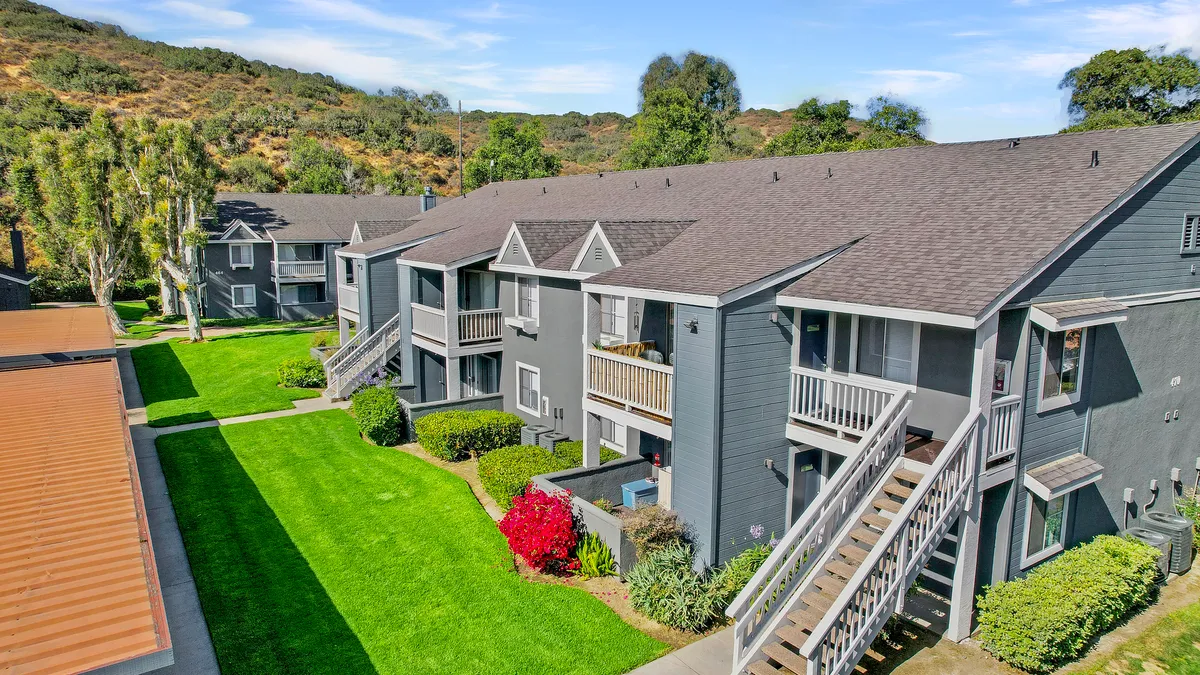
(539, 528)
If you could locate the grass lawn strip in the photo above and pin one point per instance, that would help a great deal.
(141, 331)
(1172, 645)
(225, 376)
(314, 551)
(131, 310)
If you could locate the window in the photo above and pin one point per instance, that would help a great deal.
(1045, 528)
(886, 348)
(527, 297)
(241, 255)
(301, 294)
(612, 316)
(289, 252)
(243, 296)
(529, 385)
(612, 434)
(1062, 363)
(1191, 235)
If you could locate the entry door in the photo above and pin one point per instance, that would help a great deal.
(814, 339)
(479, 375)
(805, 482)
(433, 377)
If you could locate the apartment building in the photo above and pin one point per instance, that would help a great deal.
(946, 362)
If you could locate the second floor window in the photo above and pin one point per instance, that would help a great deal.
(612, 316)
(885, 348)
(241, 255)
(527, 297)
(1062, 367)
(348, 278)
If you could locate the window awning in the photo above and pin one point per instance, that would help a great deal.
(1069, 314)
(1061, 476)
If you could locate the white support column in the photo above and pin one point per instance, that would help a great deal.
(450, 300)
(343, 330)
(962, 596)
(591, 440)
(453, 378)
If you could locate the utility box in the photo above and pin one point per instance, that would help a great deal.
(1179, 529)
(639, 493)
(531, 434)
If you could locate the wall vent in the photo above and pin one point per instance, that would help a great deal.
(1190, 242)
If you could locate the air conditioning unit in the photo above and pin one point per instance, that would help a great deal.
(530, 434)
(551, 440)
(1179, 529)
(1159, 541)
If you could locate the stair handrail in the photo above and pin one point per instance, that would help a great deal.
(877, 587)
(802, 546)
(345, 350)
(363, 357)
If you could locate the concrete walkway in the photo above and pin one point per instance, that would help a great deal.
(712, 655)
(305, 405)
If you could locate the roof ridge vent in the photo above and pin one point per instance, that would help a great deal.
(1014, 142)
(829, 172)
(1095, 159)
(774, 176)
(668, 181)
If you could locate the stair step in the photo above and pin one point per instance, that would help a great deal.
(818, 601)
(908, 476)
(868, 537)
(786, 658)
(792, 635)
(852, 552)
(841, 569)
(830, 584)
(762, 668)
(885, 504)
(875, 520)
(805, 619)
(897, 490)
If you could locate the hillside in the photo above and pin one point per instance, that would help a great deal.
(253, 108)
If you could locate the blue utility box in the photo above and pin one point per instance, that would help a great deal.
(639, 493)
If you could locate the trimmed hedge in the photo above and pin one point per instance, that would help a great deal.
(506, 472)
(571, 453)
(378, 413)
(154, 305)
(454, 435)
(1048, 618)
(52, 290)
(301, 372)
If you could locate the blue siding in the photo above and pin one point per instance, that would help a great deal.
(695, 424)
(756, 355)
(385, 291)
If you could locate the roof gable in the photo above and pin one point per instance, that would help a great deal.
(514, 251)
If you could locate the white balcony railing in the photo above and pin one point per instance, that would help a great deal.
(298, 268)
(348, 297)
(429, 322)
(480, 325)
(1006, 428)
(633, 382)
(836, 402)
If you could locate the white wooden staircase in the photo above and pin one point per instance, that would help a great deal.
(843, 569)
(359, 357)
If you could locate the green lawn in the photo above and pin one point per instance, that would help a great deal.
(1170, 646)
(221, 377)
(141, 331)
(314, 551)
(250, 321)
(131, 310)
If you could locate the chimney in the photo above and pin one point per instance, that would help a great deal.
(18, 250)
(428, 201)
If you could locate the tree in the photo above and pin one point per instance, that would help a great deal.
(510, 153)
(76, 192)
(705, 79)
(818, 127)
(891, 124)
(176, 177)
(315, 168)
(672, 129)
(1132, 87)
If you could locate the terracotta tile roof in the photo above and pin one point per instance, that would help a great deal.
(72, 331)
(78, 584)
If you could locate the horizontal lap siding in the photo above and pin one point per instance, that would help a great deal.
(755, 380)
(385, 290)
(221, 279)
(694, 423)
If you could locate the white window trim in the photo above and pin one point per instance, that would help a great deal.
(520, 404)
(297, 304)
(1184, 249)
(537, 300)
(238, 266)
(852, 369)
(1061, 400)
(621, 317)
(253, 295)
(1028, 561)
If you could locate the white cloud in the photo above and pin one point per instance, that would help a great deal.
(595, 78)
(909, 82)
(1175, 23)
(1038, 109)
(206, 13)
(100, 10)
(480, 40)
(306, 52)
(352, 12)
(972, 33)
(1050, 64)
(492, 12)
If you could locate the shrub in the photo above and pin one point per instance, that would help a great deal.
(456, 434)
(665, 587)
(378, 413)
(1188, 506)
(1048, 618)
(505, 472)
(571, 454)
(595, 557)
(604, 505)
(540, 529)
(326, 338)
(302, 372)
(735, 574)
(154, 305)
(653, 528)
(71, 71)
(435, 143)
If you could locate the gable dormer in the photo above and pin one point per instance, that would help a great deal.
(597, 254)
(514, 251)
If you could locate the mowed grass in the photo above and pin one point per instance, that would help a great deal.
(131, 310)
(221, 377)
(1172, 645)
(141, 331)
(314, 551)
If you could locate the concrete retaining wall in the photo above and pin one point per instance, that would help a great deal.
(414, 411)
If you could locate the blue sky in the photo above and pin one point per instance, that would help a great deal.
(980, 70)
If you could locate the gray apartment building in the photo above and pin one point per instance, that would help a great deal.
(948, 362)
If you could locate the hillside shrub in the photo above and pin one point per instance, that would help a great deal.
(1049, 617)
(665, 587)
(71, 71)
(505, 472)
(571, 454)
(595, 557)
(733, 576)
(540, 528)
(454, 435)
(378, 413)
(301, 372)
(652, 528)
(434, 142)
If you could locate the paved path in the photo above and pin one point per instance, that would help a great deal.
(712, 655)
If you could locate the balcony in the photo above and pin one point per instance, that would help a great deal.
(618, 375)
(833, 411)
(1005, 437)
(348, 297)
(429, 322)
(478, 325)
(298, 269)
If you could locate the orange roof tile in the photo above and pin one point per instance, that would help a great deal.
(78, 584)
(67, 330)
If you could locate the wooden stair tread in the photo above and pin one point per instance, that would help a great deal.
(792, 635)
(852, 552)
(818, 601)
(805, 619)
(868, 537)
(830, 584)
(897, 490)
(786, 658)
(885, 504)
(841, 569)
(907, 476)
(875, 520)
(762, 668)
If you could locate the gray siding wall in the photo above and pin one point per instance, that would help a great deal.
(220, 278)
(754, 383)
(695, 423)
(943, 399)
(384, 299)
(13, 295)
(597, 258)
(1136, 250)
(316, 309)
(556, 349)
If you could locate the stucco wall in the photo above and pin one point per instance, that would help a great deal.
(943, 398)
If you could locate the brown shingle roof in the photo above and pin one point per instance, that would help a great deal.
(78, 585)
(71, 331)
(547, 238)
(305, 217)
(374, 229)
(944, 228)
(1074, 309)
